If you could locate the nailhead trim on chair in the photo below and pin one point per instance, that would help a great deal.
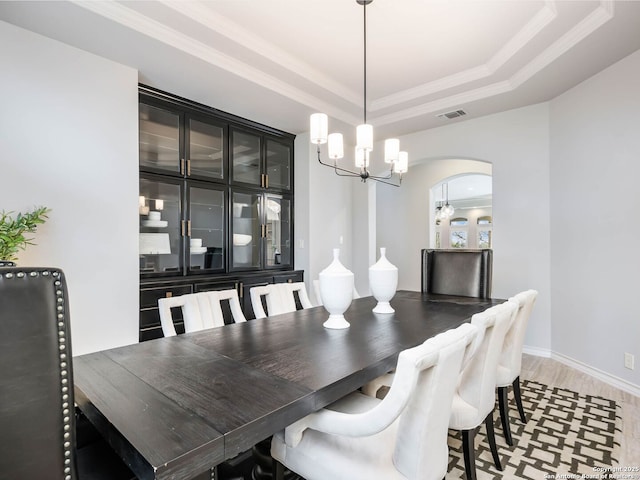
(64, 372)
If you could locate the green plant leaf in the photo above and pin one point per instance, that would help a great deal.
(13, 230)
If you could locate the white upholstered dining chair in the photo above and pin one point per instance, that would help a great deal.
(199, 310)
(510, 363)
(474, 399)
(403, 436)
(256, 294)
(279, 297)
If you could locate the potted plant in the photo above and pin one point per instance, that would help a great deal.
(13, 231)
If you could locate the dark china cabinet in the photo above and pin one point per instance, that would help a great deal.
(261, 231)
(174, 142)
(261, 161)
(215, 203)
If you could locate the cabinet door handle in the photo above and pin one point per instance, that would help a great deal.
(188, 167)
(168, 294)
(188, 228)
(241, 293)
(182, 166)
(266, 180)
(263, 230)
(182, 228)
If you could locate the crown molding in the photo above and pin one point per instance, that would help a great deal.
(204, 16)
(138, 22)
(584, 28)
(516, 43)
(588, 25)
(446, 103)
(153, 29)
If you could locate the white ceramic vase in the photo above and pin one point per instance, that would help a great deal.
(336, 290)
(383, 281)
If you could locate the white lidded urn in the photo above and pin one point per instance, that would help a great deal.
(336, 290)
(383, 281)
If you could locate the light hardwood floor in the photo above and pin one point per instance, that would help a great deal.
(553, 373)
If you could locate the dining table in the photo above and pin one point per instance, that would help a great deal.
(175, 407)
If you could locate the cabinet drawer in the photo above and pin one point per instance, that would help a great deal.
(209, 286)
(149, 296)
(288, 277)
(150, 317)
(150, 333)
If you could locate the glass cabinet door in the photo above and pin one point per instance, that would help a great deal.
(278, 165)
(246, 230)
(245, 158)
(159, 138)
(205, 157)
(160, 227)
(277, 218)
(206, 230)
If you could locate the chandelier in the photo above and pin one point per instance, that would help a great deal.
(444, 210)
(398, 161)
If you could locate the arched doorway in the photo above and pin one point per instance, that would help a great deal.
(461, 214)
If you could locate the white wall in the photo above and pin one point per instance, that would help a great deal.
(595, 194)
(516, 143)
(328, 208)
(302, 214)
(69, 141)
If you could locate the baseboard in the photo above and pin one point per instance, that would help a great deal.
(537, 352)
(605, 377)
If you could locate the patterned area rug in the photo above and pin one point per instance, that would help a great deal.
(567, 435)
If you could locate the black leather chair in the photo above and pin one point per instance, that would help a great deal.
(37, 410)
(465, 273)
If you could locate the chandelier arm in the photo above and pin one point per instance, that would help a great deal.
(378, 179)
(336, 168)
(350, 174)
(382, 178)
(364, 175)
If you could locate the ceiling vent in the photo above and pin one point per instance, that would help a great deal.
(453, 114)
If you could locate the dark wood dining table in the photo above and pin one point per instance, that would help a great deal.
(175, 407)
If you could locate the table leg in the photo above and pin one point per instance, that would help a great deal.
(263, 468)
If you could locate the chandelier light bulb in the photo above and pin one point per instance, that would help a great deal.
(362, 158)
(364, 137)
(448, 210)
(402, 165)
(318, 128)
(336, 146)
(391, 150)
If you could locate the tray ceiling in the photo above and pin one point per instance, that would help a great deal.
(277, 61)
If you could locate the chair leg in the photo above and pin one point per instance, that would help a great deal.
(468, 449)
(492, 440)
(516, 392)
(504, 414)
(278, 470)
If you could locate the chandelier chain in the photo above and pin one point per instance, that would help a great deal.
(365, 61)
